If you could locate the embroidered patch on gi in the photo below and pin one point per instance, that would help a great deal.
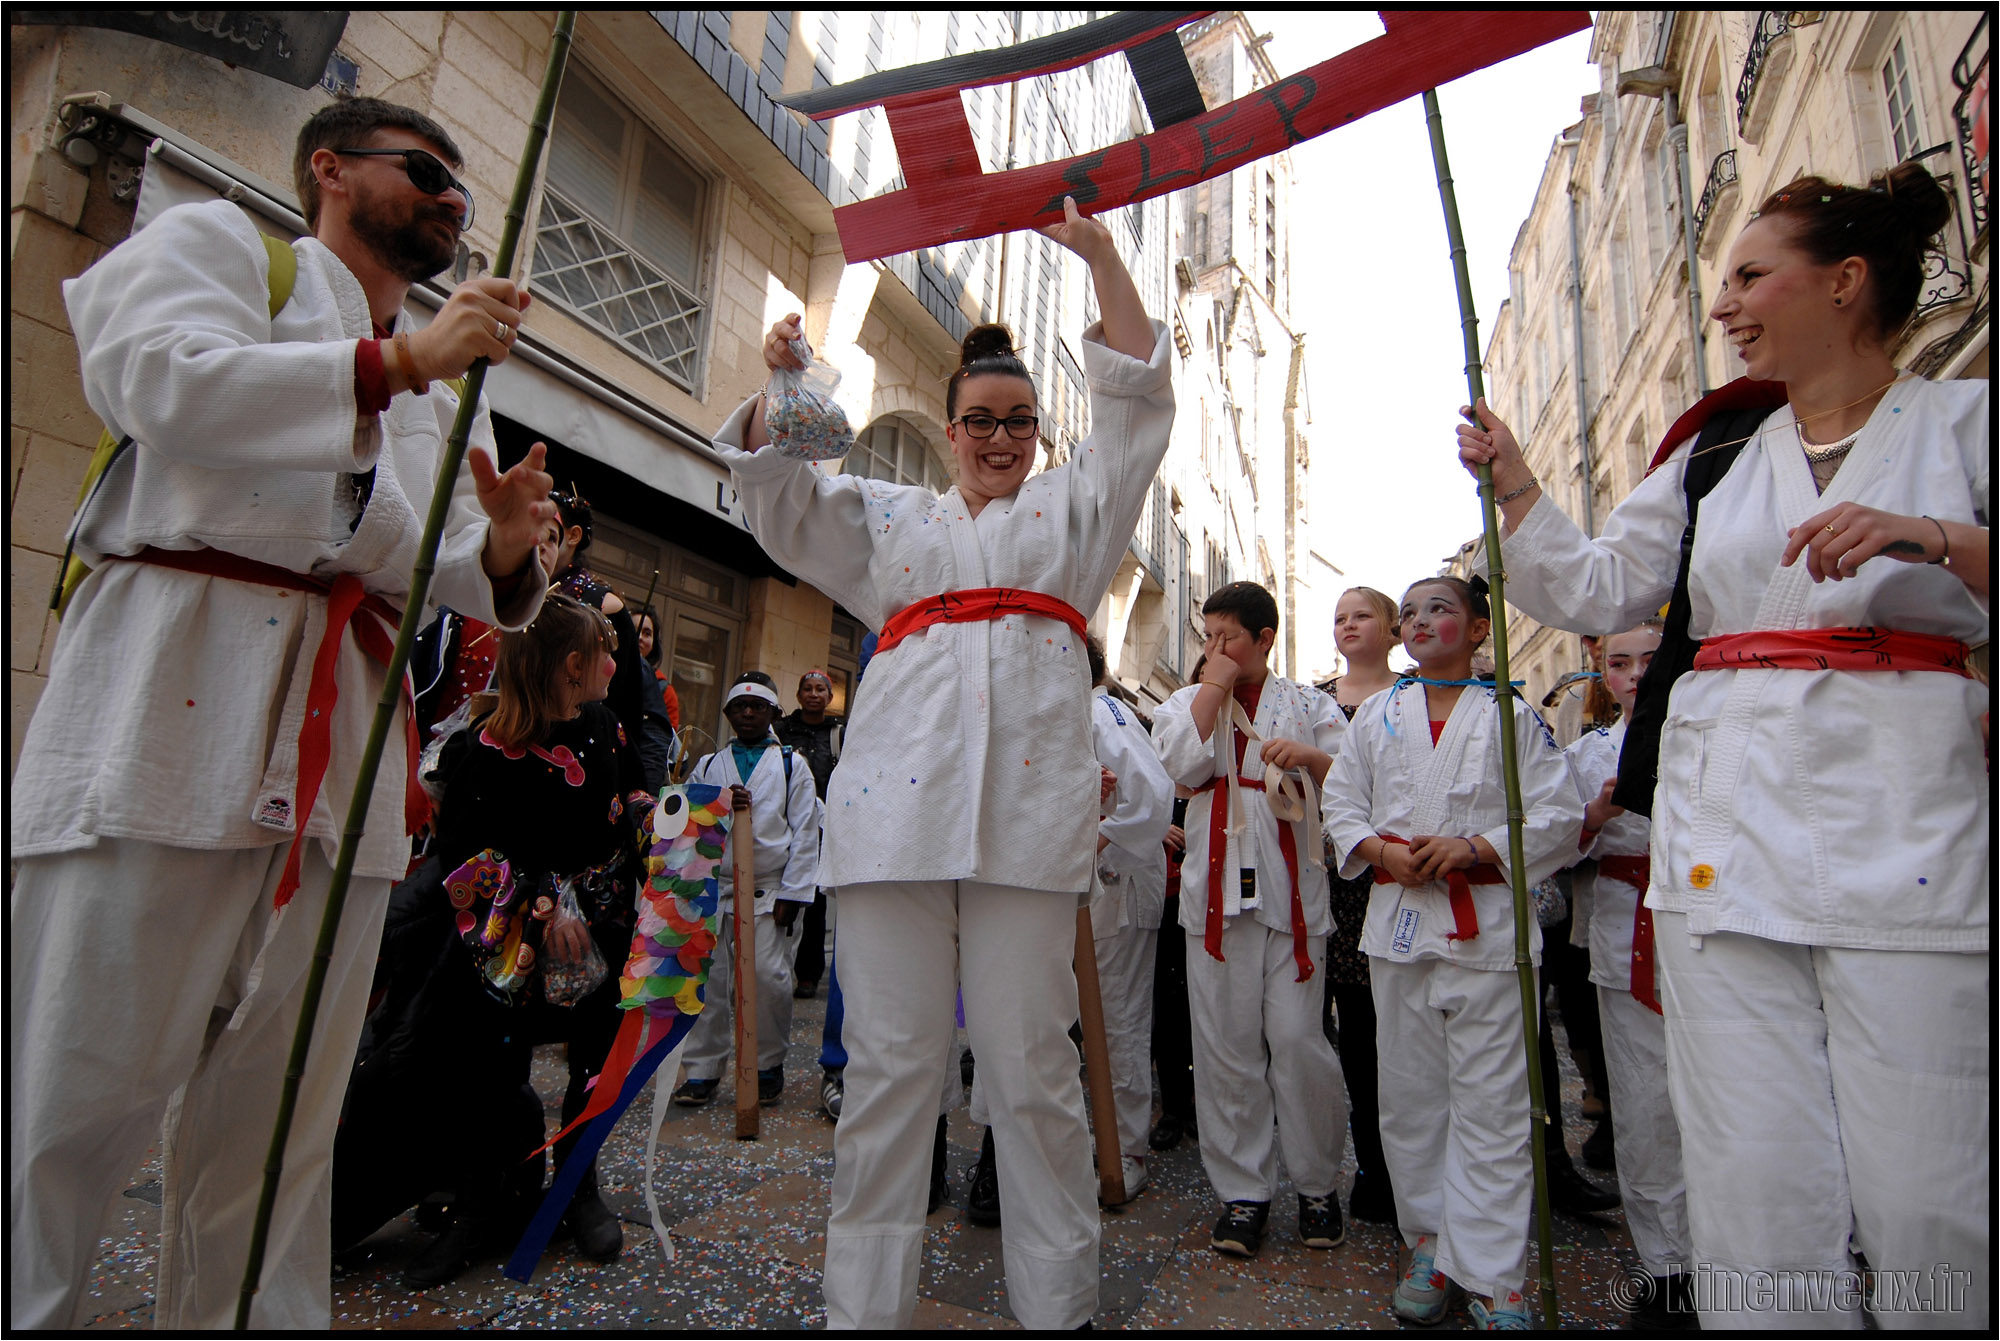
(1702, 877)
(274, 812)
(1112, 704)
(1406, 931)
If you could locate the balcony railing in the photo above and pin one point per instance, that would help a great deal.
(1721, 179)
(1945, 280)
(1973, 75)
(626, 296)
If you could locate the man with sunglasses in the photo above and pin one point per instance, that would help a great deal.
(175, 808)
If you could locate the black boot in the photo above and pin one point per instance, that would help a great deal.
(937, 1170)
(982, 1197)
(599, 1236)
(1573, 1194)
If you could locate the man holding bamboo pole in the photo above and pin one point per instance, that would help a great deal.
(210, 695)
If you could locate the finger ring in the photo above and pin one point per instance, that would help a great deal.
(1829, 527)
(499, 330)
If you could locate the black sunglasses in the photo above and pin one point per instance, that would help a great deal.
(426, 172)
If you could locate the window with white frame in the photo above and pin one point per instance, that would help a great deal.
(618, 240)
(1899, 88)
(892, 450)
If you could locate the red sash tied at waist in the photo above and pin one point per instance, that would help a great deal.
(1464, 913)
(376, 636)
(1858, 649)
(1218, 857)
(975, 606)
(1638, 873)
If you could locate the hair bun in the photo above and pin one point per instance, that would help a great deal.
(985, 342)
(1919, 202)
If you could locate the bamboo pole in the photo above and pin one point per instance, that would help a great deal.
(743, 889)
(1097, 1067)
(1503, 685)
(392, 683)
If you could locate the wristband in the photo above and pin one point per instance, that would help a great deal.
(419, 385)
(1532, 483)
(1945, 557)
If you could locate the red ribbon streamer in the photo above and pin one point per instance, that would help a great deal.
(1464, 913)
(975, 606)
(345, 598)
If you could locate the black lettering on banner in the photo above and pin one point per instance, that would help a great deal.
(1146, 177)
(1213, 150)
(1077, 182)
(1306, 89)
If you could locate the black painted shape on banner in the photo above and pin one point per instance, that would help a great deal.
(1160, 65)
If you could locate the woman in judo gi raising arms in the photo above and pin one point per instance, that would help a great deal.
(960, 824)
(1820, 854)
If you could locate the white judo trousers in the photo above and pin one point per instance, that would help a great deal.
(1125, 983)
(1649, 1140)
(1261, 1060)
(1452, 1075)
(905, 947)
(1831, 1101)
(713, 1039)
(97, 1060)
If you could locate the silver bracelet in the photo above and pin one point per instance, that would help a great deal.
(1532, 483)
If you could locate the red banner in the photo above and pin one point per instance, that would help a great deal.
(949, 200)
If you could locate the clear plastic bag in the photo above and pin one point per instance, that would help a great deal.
(800, 413)
(566, 981)
(1551, 902)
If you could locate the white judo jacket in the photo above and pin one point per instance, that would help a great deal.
(784, 819)
(1606, 902)
(175, 700)
(968, 748)
(1821, 807)
(1132, 868)
(1285, 710)
(1389, 779)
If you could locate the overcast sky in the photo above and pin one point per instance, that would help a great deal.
(1372, 287)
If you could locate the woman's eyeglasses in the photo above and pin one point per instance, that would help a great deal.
(1020, 427)
(426, 172)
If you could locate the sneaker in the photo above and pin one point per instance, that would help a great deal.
(832, 1093)
(696, 1093)
(1424, 1295)
(1372, 1200)
(771, 1086)
(1169, 1130)
(1240, 1231)
(1573, 1194)
(1507, 1313)
(1136, 1175)
(1600, 1150)
(982, 1193)
(1319, 1221)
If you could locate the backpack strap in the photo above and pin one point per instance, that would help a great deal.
(282, 276)
(1715, 450)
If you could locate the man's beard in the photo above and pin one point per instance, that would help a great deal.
(411, 250)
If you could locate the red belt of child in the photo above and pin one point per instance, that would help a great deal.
(975, 606)
(1638, 873)
(1860, 649)
(376, 636)
(1218, 860)
(1464, 913)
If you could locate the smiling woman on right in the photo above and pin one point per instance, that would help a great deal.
(1821, 859)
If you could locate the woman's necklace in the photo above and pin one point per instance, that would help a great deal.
(1826, 451)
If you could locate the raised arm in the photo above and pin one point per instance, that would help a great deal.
(1127, 328)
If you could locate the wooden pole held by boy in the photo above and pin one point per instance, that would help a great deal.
(414, 612)
(743, 877)
(1097, 1067)
(1505, 693)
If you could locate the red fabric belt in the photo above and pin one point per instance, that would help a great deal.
(1862, 649)
(975, 606)
(1464, 913)
(1218, 856)
(1638, 873)
(344, 597)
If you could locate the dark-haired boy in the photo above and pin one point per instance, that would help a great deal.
(176, 806)
(1254, 907)
(784, 825)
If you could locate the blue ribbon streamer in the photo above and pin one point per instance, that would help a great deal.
(1442, 684)
(528, 1253)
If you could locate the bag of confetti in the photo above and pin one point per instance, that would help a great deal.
(566, 982)
(800, 413)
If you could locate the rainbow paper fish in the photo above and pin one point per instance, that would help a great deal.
(679, 905)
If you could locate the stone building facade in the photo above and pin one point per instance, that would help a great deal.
(680, 211)
(1595, 353)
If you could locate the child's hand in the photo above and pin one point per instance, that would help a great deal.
(1290, 754)
(1601, 812)
(567, 939)
(1220, 670)
(739, 797)
(786, 912)
(1107, 783)
(1401, 866)
(1435, 855)
(1176, 840)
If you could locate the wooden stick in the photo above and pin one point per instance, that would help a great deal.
(743, 875)
(1097, 1067)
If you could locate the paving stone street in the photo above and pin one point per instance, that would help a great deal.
(748, 1220)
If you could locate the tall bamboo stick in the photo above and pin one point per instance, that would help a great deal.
(1504, 687)
(392, 683)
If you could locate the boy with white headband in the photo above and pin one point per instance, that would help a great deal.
(784, 816)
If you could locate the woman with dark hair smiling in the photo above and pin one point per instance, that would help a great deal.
(958, 829)
(1821, 871)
